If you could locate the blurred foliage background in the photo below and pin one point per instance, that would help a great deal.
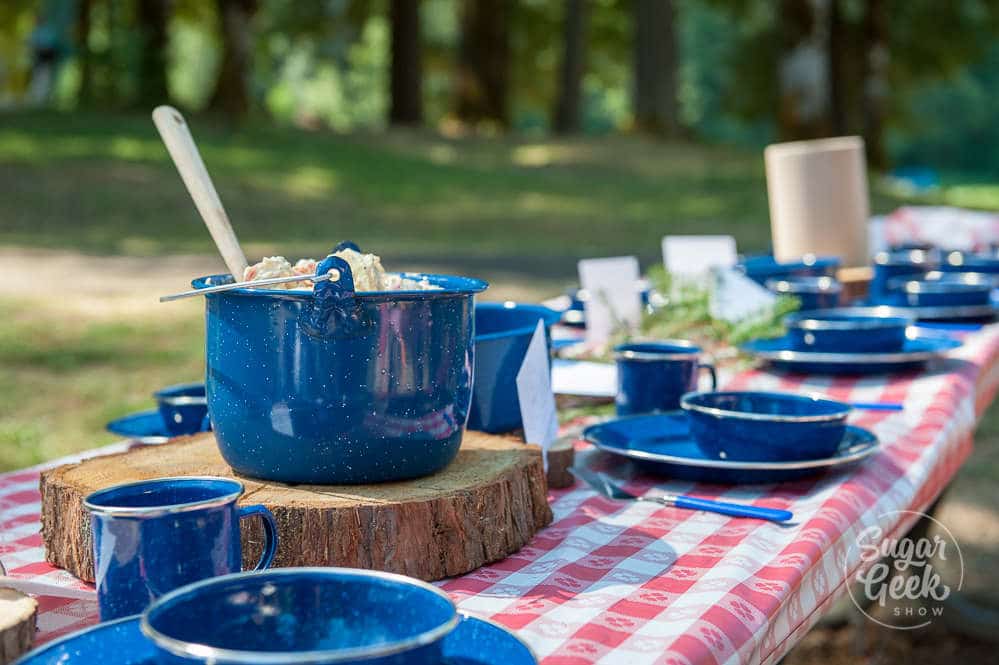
(746, 72)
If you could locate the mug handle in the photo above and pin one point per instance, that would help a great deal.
(270, 533)
(711, 370)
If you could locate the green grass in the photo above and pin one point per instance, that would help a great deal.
(105, 184)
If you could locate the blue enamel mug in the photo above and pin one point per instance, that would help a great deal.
(503, 331)
(302, 615)
(653, 376)
(183, 407)
(153, 536)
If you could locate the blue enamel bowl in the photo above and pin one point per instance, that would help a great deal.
(302, 615)
(503, 332)
(813, 292)
(183, 407)
(337, 386)
(890, 266)
(762, 267)
(846, 330)
(942, 289)
(765, 426)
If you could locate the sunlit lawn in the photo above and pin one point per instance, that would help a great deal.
(516, 211)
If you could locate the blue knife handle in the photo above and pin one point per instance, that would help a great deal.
(878, 406)
(732, 509)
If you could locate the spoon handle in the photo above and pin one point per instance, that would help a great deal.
(253, 284)
(179, 142)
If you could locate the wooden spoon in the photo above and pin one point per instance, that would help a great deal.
(179, 142)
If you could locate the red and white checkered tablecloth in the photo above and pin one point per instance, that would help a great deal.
(635, 583)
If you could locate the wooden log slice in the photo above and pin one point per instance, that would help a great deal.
(486, 505)
(17, 624)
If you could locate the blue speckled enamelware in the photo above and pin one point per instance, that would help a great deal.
(941, 289)
(143, 426)
(781, 354)
(765, 426)
(969, 262)
(503, 332)
(121, 642)
(302, 615)
(813, 292)
(662, 444)
(846, 330)
(762, 267)
(339, 386)
(889, 266)
(153, 536)
(652, 376)
(183, 407)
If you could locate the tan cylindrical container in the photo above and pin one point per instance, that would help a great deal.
(818, 199)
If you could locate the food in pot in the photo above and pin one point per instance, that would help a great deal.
(367, 270)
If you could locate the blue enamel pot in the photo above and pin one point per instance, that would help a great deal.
(762, 267)
(653, 376)
(503, 332)
(812, 292)
(298, 616)
(890, 266)
(335, 386)
(183, 408)
(846, 330)
(943, 289)
(765, 426)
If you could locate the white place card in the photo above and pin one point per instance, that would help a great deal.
(584, 378)
(695, 256)
(534, 390)
(613, 300)
(735, 297)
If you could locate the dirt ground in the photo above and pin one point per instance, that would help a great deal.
(126, 288)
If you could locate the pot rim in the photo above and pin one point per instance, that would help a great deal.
(452, 285)
(184, 648)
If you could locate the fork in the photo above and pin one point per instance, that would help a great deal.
(603, 484)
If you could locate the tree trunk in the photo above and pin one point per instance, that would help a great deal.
(875, 93)
(85, 95)
(232, 88)
(837, 58)
(805, 68)
(655, 63)
(153, 18)
(568, 108)
(406, 76)
(484, 58)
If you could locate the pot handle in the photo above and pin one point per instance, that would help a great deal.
(334, 310)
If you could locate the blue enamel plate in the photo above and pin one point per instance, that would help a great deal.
(662, 444)
(144, 426)
(983, 313)
(781, 353)
(473, 642)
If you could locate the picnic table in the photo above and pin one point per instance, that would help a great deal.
(617, 582)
